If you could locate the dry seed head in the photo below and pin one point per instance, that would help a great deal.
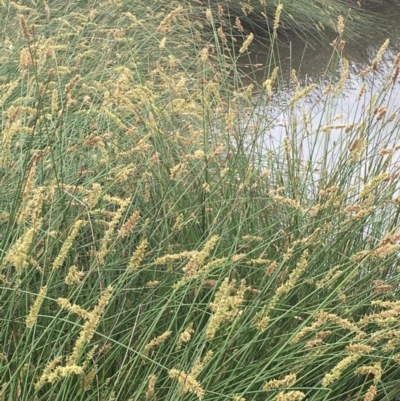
(184, 337)
(330, 277)
(30, 180)
(380, 112)
(239, 25)
(67, 245)
(18, 253)
(271, 268)
(341, 25)
(64, 371)
(208, 14)
(25, 59)
(380, 54)
(47, 370)
(363, 73)
(380, 318)
(65, 304)
(178, 223)
(221, 34)
(367, 188)
(356, 149)
(396, 62)
(152, 382)
(291, 282)
(188, 382)
(270, 82)
(123, 203)
(154, 283)
(155, 342)
(336, 372)
(200, 363)
(290, 396)
(137, 256)
(359, 349)
(246, 43)
(387, 151)
(176, 170)
(87, 378)
(162, 43)
(197, 273)
(301, 94)
(322, 317)
(371, 393)
(277, 18)
(74, 276)
(375, 369)
(32, 316)
(362, 90)
(314, 343)
(129, 224)
(24, 26)
(225, 307)
(287, 381)
(323, 334)
(70, 85)
(343, 77)
(165, 23)
(90, 326)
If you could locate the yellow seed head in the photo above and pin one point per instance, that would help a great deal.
(47, 370)
(67, 244)
(225, 307)
(184, 337)
(290, 396)
(90, 326)
(379, 55)
(221, 34)
(277, 18)
(200, 364)
(65, 304)
(246, 43)
(137, 256)
(162, 43)
(375, 370)
(31, 318)
(188, 382)
(340, 26)
(152, 382)
(74, 276)
(129, 224)
(287, 381)
(336, 372)
(165, 23)
(371, 393)
(155, 342)
(343, 77)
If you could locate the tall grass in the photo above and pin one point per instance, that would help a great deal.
(156, 245)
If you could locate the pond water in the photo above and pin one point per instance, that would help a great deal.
(314, 64)
(311, 60)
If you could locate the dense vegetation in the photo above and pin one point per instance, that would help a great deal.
(157, 242)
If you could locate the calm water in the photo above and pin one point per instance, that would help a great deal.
(311, 61)
(311, 64)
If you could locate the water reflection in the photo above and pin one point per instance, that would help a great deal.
(312, 62)
(318, 65)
